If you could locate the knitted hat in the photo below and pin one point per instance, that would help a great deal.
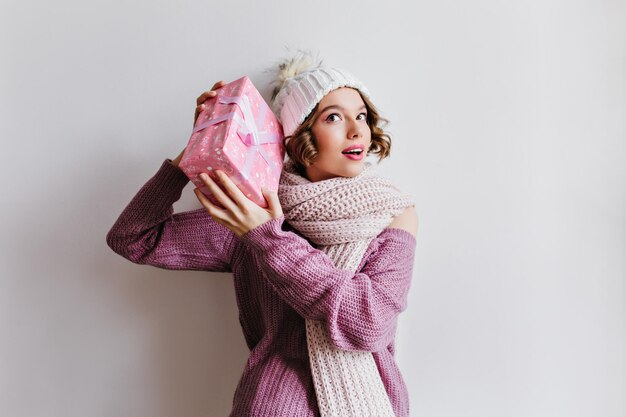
(300, 84)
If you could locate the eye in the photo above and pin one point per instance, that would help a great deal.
(331, 115)
(364, 116)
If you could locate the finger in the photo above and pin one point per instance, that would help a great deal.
(211, 208)
(273, 202)
(224, 199)
(205, 96)
(218, 84)
(233, 191)
(200, 107)
(210, 93)
(198, 111)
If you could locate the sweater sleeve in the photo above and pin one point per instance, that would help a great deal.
(147, 231)
(360, 309)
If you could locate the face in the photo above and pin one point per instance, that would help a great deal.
(340, 124)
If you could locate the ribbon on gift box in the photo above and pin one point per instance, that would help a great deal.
(247, 131)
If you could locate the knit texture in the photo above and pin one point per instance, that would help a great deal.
(342, 215)
(280, 280)
(301, 93)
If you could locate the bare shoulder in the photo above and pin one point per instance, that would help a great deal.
(407, 220)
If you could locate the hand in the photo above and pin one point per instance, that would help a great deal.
(240, 213)
(205, 96)
(199, 107)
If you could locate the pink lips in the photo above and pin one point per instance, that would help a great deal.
(354, 156)
(353, 147)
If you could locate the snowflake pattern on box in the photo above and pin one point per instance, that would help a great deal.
(237, 133)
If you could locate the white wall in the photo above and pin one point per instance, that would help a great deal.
(509, 127)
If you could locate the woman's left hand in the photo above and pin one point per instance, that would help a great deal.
(240, 213)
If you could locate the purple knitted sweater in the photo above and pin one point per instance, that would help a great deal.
(280, 279)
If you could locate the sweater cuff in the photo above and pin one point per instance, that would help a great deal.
(172, 174)
(164, 188)
(260, 236)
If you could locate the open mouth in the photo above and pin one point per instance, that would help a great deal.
(356, 154)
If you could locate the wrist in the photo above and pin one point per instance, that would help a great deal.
(260, 233)
(176, 160)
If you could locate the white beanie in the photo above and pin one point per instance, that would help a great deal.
(300, 84)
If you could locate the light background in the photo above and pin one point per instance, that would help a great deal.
(508, 121)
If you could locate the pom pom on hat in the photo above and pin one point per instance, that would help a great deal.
(288, 68)
(300, 82)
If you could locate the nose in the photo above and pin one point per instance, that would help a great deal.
(355, 130)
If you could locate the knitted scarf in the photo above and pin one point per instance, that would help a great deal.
(342, 215)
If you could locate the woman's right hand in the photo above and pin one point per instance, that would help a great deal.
(199, 107)
(205, 96)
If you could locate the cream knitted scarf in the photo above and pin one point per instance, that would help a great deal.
(342, 215)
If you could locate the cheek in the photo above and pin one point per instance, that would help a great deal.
(324, 139)
(322, 145)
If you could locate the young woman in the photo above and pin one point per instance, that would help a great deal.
(321, 274)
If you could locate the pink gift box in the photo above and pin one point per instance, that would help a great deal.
(238, 134)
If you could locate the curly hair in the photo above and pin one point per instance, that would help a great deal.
(301, 145)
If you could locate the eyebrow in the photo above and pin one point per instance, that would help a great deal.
(335, 106)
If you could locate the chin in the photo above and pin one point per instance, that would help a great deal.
(347, 171)
(353, 171)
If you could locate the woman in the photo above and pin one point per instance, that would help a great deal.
(321, 274)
